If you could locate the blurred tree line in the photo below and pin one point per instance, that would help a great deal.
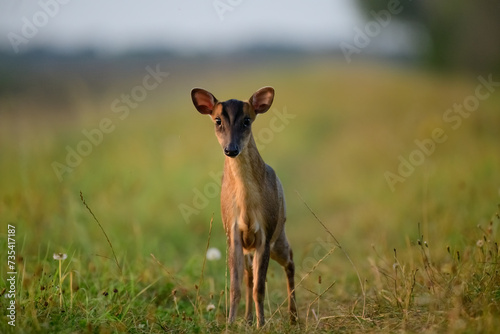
(464, 34)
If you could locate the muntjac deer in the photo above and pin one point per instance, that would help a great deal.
(252, 202)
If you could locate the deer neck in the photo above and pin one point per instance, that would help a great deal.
(248, 167)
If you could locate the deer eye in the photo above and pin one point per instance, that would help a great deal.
(247, 121)
(218, 121)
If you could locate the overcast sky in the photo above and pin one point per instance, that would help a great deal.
(119, 25)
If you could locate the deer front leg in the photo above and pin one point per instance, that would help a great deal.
(249, 288)
(260, 265)
(236, 261)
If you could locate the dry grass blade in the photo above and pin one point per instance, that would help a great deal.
(297, 285)
(343, 251)
(102, 229)
(166, 269)
(316, 299)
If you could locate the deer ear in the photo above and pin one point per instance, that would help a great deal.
(262, 99)
(203, 101)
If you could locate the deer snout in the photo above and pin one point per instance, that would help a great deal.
(231, 150)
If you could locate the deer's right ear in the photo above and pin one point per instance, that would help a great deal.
(203, 101)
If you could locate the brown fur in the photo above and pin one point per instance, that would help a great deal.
(252, 202)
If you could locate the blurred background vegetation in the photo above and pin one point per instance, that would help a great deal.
(347, 125)
(462, 34)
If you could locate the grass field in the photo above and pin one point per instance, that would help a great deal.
(407, 188)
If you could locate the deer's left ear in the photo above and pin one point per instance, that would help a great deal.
(262, 99)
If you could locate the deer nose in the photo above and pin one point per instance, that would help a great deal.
(231, 150)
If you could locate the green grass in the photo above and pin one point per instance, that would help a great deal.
(421, 258)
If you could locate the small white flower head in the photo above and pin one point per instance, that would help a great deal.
(213, 254)
(480, 243)
(60, 256)
(210, 307)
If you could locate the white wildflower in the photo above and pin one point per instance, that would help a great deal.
(213, 254)
(60, 256)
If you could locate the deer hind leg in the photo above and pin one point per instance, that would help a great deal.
(282, 253)
(249, 288)
(236, 263)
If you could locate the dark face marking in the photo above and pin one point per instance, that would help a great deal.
(233, 120)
